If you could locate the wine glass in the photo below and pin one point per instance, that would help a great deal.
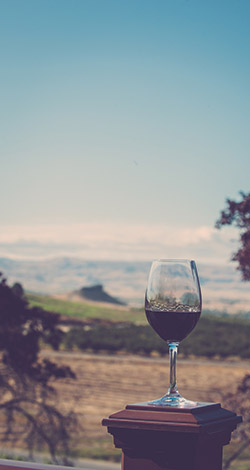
(173, 307)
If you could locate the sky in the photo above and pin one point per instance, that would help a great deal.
(124, 126)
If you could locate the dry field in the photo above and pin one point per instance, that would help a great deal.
(107, 383)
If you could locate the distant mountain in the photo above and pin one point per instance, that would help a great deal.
(97, 294)
(222, 288)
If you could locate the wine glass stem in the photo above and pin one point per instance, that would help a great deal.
(173, 348)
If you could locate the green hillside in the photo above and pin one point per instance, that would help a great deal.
(85, 310)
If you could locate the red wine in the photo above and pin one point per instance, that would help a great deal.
(172, 326)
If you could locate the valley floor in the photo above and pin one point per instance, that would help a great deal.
(105, 384)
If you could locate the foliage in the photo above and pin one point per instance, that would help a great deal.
(219, 336)
(238, 214)
(212, 336)
(26, 393)
(127, 337)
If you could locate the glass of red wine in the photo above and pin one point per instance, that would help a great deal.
(173, 307)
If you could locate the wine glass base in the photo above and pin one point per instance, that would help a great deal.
(173, 400)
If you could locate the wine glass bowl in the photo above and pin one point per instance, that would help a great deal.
(173, 307)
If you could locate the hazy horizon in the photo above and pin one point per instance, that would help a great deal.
(118, 242)
(221, 285)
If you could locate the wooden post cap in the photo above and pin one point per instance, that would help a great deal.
(204, 417)
(172, 438)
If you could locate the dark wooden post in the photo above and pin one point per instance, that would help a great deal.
(168, 438)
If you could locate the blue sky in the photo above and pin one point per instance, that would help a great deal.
(122, 117)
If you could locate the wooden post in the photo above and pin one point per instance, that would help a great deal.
(171, 438)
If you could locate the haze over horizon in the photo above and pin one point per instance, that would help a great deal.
(119, 242)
